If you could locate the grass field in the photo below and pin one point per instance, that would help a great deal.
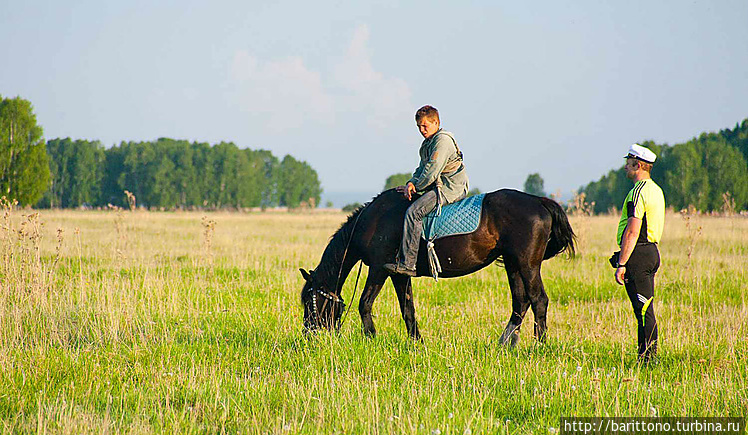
(177, 322)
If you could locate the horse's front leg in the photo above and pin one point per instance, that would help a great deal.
(374, 283)
(405, 296)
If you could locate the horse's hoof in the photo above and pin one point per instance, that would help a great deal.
(510, 336)
(510, 341)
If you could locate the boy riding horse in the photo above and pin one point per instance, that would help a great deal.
(440, 178)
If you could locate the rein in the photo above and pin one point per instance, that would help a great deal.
(340, 271)
(355, 287)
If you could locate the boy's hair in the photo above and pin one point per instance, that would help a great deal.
(429, 112)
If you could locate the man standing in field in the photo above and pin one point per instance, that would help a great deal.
(440, 179)
(639, 231)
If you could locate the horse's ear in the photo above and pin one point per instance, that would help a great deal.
(305, 274)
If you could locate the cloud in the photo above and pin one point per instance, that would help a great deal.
(284, 91)
(287, 94)
(383, 99)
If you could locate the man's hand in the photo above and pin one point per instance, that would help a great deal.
(407, 190)
(620, 271)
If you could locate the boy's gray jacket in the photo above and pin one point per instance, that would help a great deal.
(441, 167)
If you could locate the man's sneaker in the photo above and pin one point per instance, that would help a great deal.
(399, 269)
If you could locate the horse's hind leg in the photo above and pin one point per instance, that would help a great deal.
(405, 296)
(371, 290)
(538, 299)
(520, 304)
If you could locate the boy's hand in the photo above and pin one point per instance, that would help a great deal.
(407, 190)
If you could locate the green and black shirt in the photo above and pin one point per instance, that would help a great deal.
(646, 202)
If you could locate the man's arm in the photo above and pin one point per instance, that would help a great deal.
(628, 243)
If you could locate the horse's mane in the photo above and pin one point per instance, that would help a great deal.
(332, 258)
(346, 228)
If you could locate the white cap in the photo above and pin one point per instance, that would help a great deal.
(639, 152)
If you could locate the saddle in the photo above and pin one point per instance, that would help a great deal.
(462, 217)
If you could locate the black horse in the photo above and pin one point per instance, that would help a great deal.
(519, 229)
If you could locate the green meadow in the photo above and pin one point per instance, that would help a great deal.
(191, 322)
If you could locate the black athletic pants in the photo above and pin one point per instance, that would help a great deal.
(639, 278)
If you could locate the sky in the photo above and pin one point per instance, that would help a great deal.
(556, 88)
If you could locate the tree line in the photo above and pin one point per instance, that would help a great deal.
(166, 173)
(706, 172)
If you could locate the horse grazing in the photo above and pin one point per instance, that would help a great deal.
(519, 229)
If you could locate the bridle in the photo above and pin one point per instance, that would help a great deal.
(330, 297)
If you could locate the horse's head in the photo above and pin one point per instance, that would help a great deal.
(322, 307)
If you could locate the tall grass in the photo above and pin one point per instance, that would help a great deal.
(136, 322)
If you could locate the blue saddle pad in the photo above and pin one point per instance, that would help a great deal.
(462, 217)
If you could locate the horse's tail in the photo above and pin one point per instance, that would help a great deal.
(562, 235)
